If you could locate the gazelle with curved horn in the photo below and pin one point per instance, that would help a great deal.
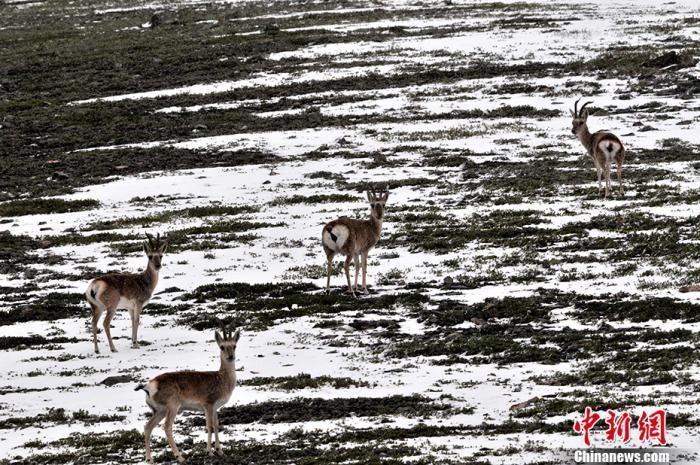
(206, 391)
(125, 290)
(354, 238)
(602, 146)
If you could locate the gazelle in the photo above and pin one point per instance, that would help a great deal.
(125, 290)
(354, 238)
(168, 393)
(602, 146)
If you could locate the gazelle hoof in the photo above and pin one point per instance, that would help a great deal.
(220, 452)
(180, 459)
(114, 349)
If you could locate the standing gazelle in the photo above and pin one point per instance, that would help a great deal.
(602, 146)
(125, 290)
(168, 393)
(352, 238)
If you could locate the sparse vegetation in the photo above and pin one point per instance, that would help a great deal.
(499, 268)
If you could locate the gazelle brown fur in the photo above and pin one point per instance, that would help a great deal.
(125, 290)
(354, 238)
(206, 391)
(602, 146)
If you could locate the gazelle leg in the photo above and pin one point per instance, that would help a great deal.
(106, 325)
(169, 420)
(619, 178)
(329, 259)
(348, 259)
(607, 180)
(152, 422)
(135, 320)
(356, 264)
(364, 271)
(600, 178)
(96, 313)
(209, 413)
(219, 449)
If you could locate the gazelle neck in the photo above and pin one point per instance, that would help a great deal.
(228, 368)
(150, 275)
(584, 135)
(376, 225)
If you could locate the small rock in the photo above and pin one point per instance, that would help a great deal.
(60, 175)
(112, 380)
(155, 20)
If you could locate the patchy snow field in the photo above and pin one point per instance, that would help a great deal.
(506, 295)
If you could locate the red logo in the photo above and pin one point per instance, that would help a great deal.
(651, 427)
(618, 426)
(584, 426)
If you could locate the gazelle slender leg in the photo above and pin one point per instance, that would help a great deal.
(356, 264)
(619, 178)
(96, 313)
(607, 179)
(108, 320)
(135, 321)
(209, 413)
(348, 259)
(219, 449)
(600, 178)
(329, 259)
(364, 271)
(158, 415)
(169, 420)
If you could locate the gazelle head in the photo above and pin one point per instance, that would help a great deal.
(580, 116)
(155, 249)
(377, 203)
(227, 343)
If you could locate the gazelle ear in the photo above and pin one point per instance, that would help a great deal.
(218, 337)
(146, 249)
(385, 196)
(164, 246)
(571, 112)
(369, 196)
(236, 336)
(585, 115)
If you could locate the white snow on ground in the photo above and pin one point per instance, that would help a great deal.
(294, 347)
(227, 86)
